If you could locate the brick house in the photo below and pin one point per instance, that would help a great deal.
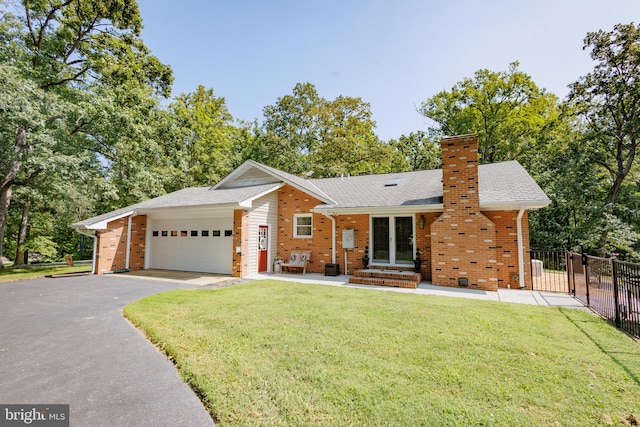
(469, 223)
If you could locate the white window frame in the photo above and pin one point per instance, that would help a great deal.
(295, 226)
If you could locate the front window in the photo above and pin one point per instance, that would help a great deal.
(302, 225)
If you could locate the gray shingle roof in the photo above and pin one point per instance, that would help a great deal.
(193, 196)
(500, 183)
(506, 183)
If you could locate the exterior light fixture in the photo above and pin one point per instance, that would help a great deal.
(421, 222)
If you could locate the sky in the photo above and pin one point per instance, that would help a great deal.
(394, 54)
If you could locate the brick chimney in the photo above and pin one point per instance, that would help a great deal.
(463, 240)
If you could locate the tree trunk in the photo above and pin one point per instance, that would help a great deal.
(611, 200)
(6, 187)
(21, 255)
(5, 201)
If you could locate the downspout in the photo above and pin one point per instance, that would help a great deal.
(95, 248)
(333, 236)
(520, 247)
(128, 253)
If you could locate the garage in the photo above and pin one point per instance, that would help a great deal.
(199, 244)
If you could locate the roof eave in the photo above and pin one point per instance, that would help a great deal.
(377, 210)
(248, 203)
(438, 207)
(102, 224)
(514, 206)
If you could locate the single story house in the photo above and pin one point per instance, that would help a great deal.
(468, 222)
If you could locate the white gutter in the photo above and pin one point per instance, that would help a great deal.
(333, 237)
(95, 248)
(520, 246)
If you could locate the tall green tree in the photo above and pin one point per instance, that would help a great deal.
(289, 132)
(28, 130)
(608, 101)
(203, 138)
(507, 110)
(304, 132)
(347, 143)
(418, 151)
(54, 54)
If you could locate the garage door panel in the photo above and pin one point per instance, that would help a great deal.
(197, 245)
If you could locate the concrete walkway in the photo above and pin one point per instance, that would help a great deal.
(425, 288)
(205, 280)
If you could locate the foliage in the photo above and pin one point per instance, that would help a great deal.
(78, 80)
(608, 101)
(418, 150)
(506, 109)
(202, 147)
(304, 133)
(274, 353)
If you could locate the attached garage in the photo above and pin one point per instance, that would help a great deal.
(198, 244)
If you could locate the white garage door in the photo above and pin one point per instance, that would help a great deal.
(203, 245)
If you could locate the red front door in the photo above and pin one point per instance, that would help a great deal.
(263, 240)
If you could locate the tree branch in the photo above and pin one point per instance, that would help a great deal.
(69, 79)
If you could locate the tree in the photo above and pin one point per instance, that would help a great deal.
(28, 128)
(608, 101)
(347, 143)
(418, 151)
(506, 109)
(304, 132)
(203, 138)
(289, 132)
(55, 56)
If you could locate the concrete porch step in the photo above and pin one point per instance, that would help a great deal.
(394, 278)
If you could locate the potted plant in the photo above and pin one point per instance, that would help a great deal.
(417, 263)
(365, 258)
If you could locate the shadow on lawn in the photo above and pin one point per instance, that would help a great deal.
(614, 355)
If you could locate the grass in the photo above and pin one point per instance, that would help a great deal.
(276, 353)
(15, 273)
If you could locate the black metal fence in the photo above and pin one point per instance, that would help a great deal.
(609, 287)
(549, 271)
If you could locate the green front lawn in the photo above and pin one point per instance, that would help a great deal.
(281, 353)
(10, 273)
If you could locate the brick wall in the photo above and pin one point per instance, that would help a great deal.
(507, 247)
(138, 241)
(112, 245)
(360, 224)
(241, 240)
(423, 241)
(463, 240)
(292, 201)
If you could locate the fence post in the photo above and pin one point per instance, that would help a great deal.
(570, 282)
(531, 268)
(585, 268)
(616, 297)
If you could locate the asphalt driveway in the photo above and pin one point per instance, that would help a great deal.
(65, 341)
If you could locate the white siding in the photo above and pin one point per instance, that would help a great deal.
(264, 212)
